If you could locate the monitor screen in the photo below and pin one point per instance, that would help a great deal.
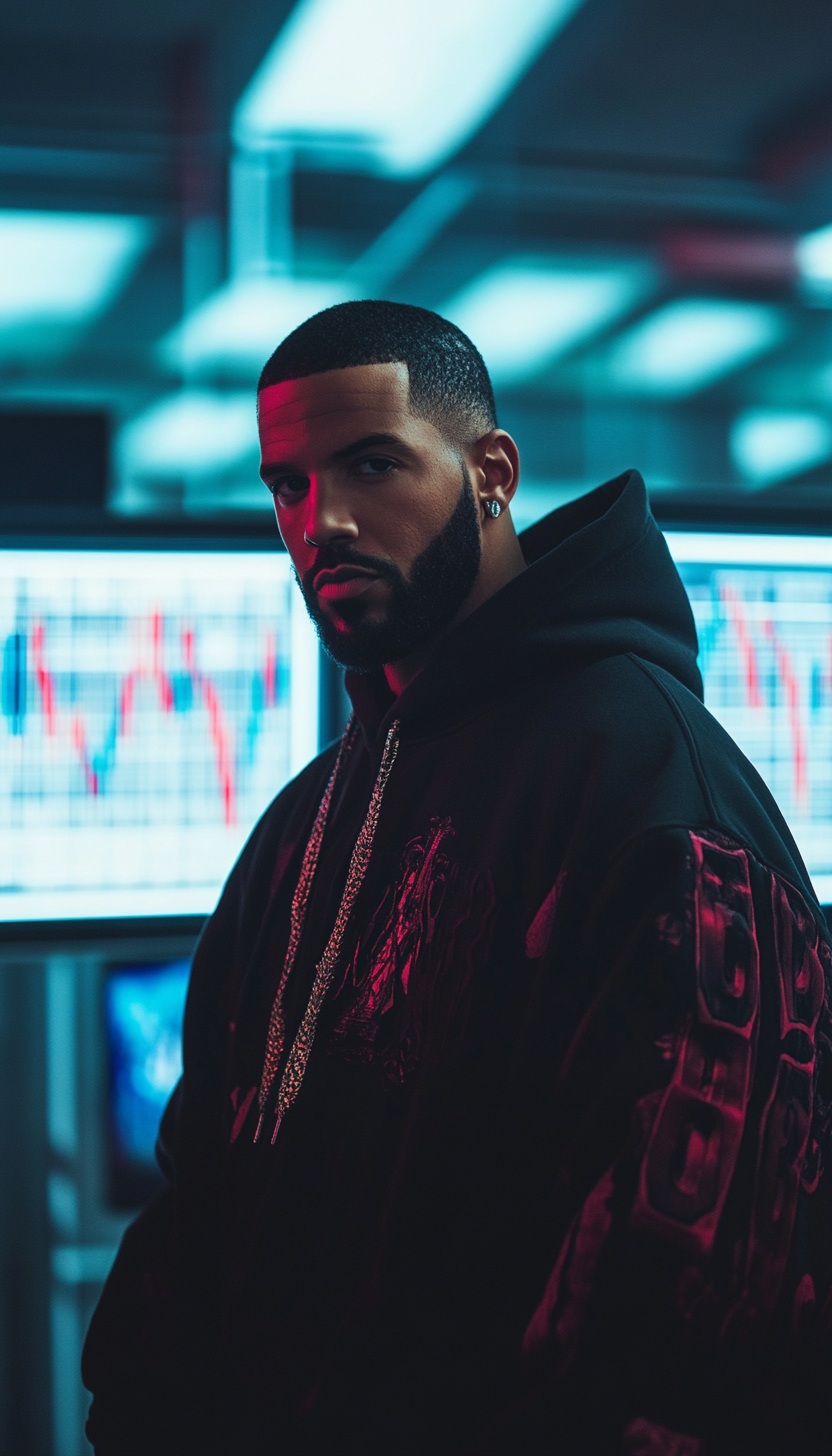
(143, 1007)
(153, 703)
(763, 610)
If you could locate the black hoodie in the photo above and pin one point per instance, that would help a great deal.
(556, 1165)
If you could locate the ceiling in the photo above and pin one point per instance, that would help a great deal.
(695, 137)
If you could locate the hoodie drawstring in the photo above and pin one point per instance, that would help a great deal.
(298, 1057)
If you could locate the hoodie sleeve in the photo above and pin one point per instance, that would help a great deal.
(687, 1308)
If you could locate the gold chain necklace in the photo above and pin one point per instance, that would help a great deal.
(298, 1057)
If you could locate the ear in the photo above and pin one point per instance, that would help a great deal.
(494, 462)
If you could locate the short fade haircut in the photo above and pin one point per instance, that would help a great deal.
(449, 383)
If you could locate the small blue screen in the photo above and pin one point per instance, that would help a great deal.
(144, 1008)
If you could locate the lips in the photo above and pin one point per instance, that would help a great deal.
(343, 581)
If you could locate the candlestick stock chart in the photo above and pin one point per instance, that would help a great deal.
(152, 705)
(763, 612)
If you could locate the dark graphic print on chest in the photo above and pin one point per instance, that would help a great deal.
(416, 958)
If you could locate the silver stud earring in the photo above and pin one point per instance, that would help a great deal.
(494, 508)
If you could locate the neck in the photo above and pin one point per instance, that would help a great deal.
(505, 561)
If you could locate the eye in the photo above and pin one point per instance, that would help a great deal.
(287, 488)
(375, 465)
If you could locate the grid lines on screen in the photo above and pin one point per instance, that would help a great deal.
(148, 715)
(765, 650)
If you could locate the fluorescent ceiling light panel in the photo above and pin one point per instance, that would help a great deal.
(237, 328)
(771, 445)
(693, 342)
(195, 433)
(62, 266)
(401, 84)
(522, 314)
(814, 258)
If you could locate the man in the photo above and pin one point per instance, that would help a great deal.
(507, 1050)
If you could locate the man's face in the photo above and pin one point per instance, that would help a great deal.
(375, 508)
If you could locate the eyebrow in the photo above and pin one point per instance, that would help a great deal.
(346, 451)
(365, 442)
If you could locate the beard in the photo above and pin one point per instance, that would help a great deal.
(420, 605)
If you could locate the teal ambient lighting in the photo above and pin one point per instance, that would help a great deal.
(523, 313)
(59, 270)
(771, 445)
(190, 434)
(237, 328)
(693, 342)
(396, 85)
(814, 260)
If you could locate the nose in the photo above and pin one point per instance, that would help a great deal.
(328, 517)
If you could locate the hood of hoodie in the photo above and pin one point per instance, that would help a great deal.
(600, 581)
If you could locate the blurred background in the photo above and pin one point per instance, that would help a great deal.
(626, 203)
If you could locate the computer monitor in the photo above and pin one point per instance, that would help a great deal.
(763, 610)
(143, 1008)
(152, 704)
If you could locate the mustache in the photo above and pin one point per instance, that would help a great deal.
(329, 557)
